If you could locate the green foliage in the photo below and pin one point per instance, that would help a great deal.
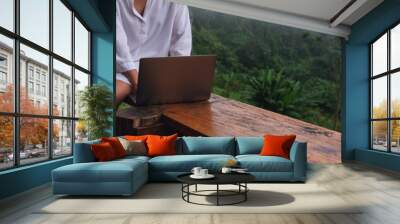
(249, 51)
(96, 102)
(275, 92)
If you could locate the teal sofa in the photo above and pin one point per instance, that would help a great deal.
(125, 176)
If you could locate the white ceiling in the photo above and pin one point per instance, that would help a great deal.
(321, 9)
(314, 15)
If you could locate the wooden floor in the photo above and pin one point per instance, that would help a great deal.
(379, 189)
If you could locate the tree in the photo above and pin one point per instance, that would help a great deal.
(96, 101)
(379, 128)
(33, 131)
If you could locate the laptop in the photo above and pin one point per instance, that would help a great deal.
(180, 79)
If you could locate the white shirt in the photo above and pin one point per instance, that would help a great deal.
(164, 30)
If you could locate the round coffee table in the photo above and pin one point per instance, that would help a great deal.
(238, 179)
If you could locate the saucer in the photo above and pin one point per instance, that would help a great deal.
(208, 176)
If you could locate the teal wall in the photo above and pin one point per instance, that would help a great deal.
(24, 178)
(103, 64)
(103, 57)
(355, 144)
(99, 16)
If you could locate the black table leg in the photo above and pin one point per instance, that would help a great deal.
(217, 194)
(182, 190)
(188, 189)
(245, 193)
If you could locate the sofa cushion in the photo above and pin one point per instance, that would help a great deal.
(112, 171)
(277, 145)
(103, 152)
(116, 145)
(207, 145)
(161, 145)
(185, 163)
(249, 145)
(257, 163)
(134, 147)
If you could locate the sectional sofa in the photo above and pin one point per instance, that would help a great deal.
(125, 176)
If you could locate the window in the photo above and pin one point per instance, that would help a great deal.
(30, 72)
(62, 74)
(62, 137)
(44, 91)
(81, 45)
(40, 128)
(37, 74)
(81, 81)
(6, 142)
(385, 94)
(35, 21)
(3, 78)
(33, 147)
(7, 14)
(37, 89)
(6, 73)
(62, 29)
(3, 61)
(30, 87)
(3, 71)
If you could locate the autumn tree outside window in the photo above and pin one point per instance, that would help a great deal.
(44, 64)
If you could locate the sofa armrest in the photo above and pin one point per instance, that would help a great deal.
(298, 155)
(83, 152)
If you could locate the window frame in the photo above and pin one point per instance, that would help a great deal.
(16, 115)
(388, 74)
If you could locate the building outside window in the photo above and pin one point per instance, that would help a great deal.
(385, 91)
(56, 127)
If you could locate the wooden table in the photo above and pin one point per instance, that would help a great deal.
(220, 116)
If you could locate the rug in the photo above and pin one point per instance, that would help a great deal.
(166, 198)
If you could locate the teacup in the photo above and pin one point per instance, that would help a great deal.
(203, 172)
(196, 171)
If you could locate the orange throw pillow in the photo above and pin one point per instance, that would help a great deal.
(277, 145)
(103, 152)
(136, 137)
(161, 145)
(116, 145)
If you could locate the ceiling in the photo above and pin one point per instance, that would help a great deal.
(321, 9)
(333, 17)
